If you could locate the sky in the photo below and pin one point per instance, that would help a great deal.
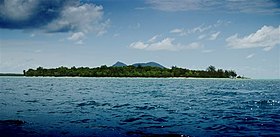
(240, 35)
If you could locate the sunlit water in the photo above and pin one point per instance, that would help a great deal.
(138, 107)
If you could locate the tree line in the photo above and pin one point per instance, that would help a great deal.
(130, 71)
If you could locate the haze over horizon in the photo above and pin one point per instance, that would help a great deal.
(240, 35)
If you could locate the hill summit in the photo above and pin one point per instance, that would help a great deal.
(148, 64)
(119, 64)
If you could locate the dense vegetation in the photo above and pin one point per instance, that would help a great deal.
(131, 71)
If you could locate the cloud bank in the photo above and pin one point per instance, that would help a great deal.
(51, 16)
(214, 36)
(244, 6)
(167, 44)
(184, 32)
(204, 32)
(267, 37)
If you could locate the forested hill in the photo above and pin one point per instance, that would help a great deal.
(148, 64)
(130, 71)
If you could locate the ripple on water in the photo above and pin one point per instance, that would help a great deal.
(92, 103)
(66, 112)
(246, 120)
(13, 128)
(32, 101)
(141, 107)
(227, 128)
(143, 134)
(9, 89)
(221, 93)
(145, 107)
(49, 99)
(129, 120)
(268, 102)
(120, 106)
(80, 121)
(262, 104)
(163, 119)
(15, 122)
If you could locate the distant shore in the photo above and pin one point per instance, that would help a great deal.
(132, 71)
(11, 74)
(21, 75)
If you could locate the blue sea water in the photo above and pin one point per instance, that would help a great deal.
(35, 106)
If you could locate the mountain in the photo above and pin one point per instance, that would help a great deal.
(151, 64)
(119, 64)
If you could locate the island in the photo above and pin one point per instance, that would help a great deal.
(119, 69)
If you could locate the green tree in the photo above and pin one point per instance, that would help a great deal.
(211, 69)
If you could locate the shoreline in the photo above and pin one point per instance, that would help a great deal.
(22, 76)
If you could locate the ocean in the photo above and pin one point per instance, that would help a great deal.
(105, 107)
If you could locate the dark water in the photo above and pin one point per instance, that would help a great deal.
(138, 107)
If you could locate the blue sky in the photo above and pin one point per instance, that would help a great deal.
(242, 35)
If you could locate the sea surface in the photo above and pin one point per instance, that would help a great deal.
(45, 106)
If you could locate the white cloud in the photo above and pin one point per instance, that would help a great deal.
(164, 44)
(175, 5)
(205, 29)
(257, 6)
(193, 45)
(83, 18)
(200, 29)
(138, 45)
(250, 56)
(52, 16)
(102, 28)
(245, 6)
(214, 36)
(153, 39)
(76, 36)
(18, 12)
(181, 32)
(267, 37)
(221, 22)
(202, 36)
(176, 30)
